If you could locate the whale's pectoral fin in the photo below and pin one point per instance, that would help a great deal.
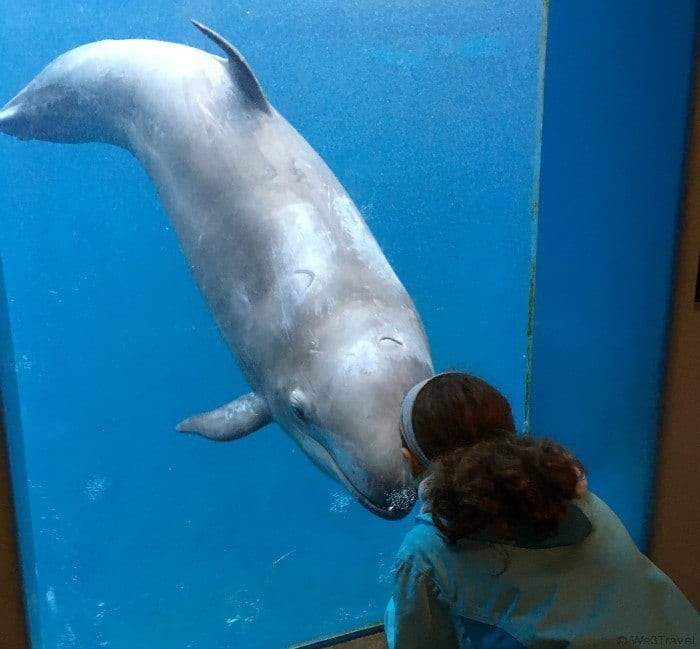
(232, 421)
(246, 80)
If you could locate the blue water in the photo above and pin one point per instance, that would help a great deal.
(134, 536)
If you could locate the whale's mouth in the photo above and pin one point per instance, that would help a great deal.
(401, 501)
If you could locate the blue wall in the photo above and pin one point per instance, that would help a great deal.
(618, 77)
(429, 114)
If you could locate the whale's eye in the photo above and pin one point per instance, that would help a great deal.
(296, 403)
(298, 411)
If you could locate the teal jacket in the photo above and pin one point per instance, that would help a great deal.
(588, 586)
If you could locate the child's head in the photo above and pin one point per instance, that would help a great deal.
(482, 471)
(455, 409)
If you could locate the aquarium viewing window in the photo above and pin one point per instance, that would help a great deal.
(278, 220)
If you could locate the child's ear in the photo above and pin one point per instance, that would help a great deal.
(406, 453)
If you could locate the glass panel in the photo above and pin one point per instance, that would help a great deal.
(132, 534)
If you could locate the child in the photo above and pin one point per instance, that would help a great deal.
(511, 550)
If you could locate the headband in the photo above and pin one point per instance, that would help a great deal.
(407, 431)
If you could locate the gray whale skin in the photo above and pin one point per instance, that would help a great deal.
(321, 327)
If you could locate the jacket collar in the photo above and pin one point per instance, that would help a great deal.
(573, 529)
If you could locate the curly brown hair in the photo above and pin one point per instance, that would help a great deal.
(483, 473)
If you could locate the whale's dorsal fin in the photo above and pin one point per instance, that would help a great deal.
(244, 76)
(232, 421)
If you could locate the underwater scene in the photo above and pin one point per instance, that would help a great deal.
(280, 217)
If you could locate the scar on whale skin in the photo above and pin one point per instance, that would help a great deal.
(310, 275)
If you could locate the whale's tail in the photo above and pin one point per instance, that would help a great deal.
(101, 92)
(10, 120)
(81, 96)
(50, 110)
